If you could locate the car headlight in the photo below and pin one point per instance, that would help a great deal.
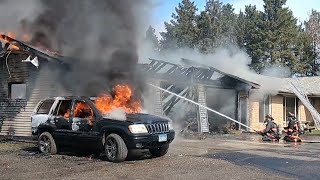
(170, 125)
(138, 129)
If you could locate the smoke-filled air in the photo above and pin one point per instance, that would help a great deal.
(100, 37)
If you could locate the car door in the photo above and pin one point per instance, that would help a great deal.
(83, 121)
(61, 117)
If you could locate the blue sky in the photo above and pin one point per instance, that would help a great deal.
(164, 8)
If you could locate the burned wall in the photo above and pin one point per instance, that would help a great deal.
(15, 112)
(12, 70)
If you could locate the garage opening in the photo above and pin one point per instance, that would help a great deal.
(224, 101)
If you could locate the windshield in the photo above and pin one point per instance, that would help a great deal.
(107, 107)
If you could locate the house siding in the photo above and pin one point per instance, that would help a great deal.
(10, 108)
(277, 109)
(254, 115)
(304, 114)
(15, 113)
(277, 112)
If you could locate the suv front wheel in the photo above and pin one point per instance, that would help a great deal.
(46, 143)
(116, 148)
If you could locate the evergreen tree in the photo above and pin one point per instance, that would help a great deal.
(312, 26)
(152, 38)
(227, 24)
(216, 25)
(213, 10)
(205, 38)
(280, 32)
(303, 65)
(249, 34)
(240, 29)
(182, 30)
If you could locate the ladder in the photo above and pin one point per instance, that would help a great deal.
(202, 112)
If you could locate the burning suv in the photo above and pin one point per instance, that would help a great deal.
(74, 121)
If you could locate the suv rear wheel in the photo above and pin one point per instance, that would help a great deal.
(116, 148)
(46, 143)
(160, 151)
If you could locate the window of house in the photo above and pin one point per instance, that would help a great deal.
(264, 108)
(290, 104)
(45, 107)
(312, 101)
(17, 91)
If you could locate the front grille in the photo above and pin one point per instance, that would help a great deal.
(158, 128)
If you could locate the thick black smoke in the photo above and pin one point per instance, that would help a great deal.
(100, 35)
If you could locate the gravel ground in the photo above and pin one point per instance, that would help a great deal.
(212, 158)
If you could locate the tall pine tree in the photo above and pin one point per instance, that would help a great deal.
(152, 38)
(249, 34)
(216, 25)
(182, 30)
(280, 32)
(227, 24)
(304, 65)
(312, 27)
(205, 42)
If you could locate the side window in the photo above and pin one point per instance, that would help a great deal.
(264, 108)
(45, 107)
(63, 108)
(83, 110)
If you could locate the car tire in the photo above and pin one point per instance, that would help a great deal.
(47, 144)
(116, 149)
(161, 151)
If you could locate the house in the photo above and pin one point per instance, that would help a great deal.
(279, 103)
(23, 84)
(267, 95)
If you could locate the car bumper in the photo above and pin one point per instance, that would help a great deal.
(34, 133)
(148, 141)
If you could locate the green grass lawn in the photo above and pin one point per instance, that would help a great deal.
(313, 132)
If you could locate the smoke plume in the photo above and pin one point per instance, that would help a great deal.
(13, 12)
(99, 35)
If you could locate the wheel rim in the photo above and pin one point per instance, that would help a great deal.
(111, 148)
(44, 144)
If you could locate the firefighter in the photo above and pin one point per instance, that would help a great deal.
(293, 131)
(271, 132)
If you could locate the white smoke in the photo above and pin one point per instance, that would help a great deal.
(116, 114)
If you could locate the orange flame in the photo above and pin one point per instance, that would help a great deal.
(5, 39)
(67, 114)
(105, 103)
(122, 99)
(24, 37)
(80, 108)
